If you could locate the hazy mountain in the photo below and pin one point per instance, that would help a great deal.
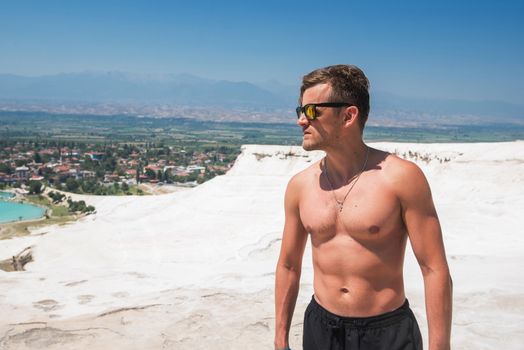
(125, 87)
(381, 101)
(190, 90)
(287, 92)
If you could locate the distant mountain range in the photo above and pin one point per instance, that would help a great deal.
(386, 101)
(133, 88)
(190, 90)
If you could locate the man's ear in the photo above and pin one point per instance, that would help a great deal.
(350, 114)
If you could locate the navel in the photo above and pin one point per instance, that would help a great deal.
(374, 229)
(344, 290)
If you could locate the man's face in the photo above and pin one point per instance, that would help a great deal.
(321, 132)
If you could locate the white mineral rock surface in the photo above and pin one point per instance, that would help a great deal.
(195, 269)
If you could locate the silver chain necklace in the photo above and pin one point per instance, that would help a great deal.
(340, 204)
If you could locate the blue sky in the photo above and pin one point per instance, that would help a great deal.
(470, 50)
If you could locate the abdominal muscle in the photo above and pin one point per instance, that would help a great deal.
(358, 278)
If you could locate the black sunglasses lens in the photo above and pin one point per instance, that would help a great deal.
(309, 111)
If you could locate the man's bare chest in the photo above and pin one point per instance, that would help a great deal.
(370, 212)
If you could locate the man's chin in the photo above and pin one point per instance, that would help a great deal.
(309, 146)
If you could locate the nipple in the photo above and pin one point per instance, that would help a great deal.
(374, 229)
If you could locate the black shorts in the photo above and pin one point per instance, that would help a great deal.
(393, 330)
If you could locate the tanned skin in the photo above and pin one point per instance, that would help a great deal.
(358, 254)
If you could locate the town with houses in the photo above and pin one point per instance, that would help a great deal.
(108, 169)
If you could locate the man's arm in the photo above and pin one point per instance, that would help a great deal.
(423, 226)
(287, 276)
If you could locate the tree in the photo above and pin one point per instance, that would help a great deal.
(71, 184)
(88, 163)
(88, 186)
(4, 168)
(79, 206)
(150, 174)
(168, 177)
(35, 187)
(37, 157)
(192, 176)
(56, 196)
(138, 173)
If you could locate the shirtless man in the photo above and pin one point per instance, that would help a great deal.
(359, 205)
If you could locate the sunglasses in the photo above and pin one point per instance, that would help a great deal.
(310, 110)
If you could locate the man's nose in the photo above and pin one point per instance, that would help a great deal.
(302, 121)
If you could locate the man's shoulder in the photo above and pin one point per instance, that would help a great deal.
(303, 177)
(401, 174)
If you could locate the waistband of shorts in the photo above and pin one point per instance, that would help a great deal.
(381, 320)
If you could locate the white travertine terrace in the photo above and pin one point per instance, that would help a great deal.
(195, 269)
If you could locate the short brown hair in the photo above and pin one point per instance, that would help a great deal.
(348, 84)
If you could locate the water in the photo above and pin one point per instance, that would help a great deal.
(11, 211)
(6, 195)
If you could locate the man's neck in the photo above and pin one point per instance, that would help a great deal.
(345, 161)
